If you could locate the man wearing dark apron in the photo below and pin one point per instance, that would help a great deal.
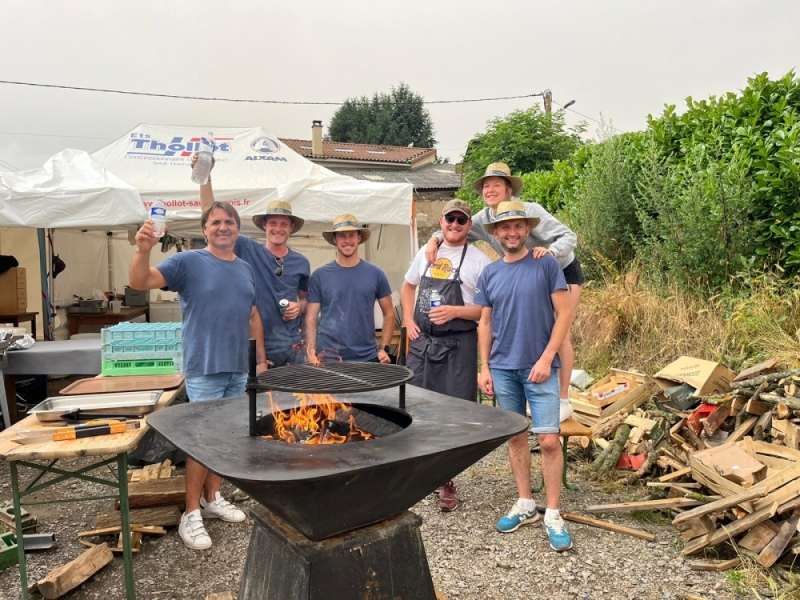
(443, 331)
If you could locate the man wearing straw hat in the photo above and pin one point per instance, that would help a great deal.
(549, 237)
(342, 295)
(525, 317)
(281, 274)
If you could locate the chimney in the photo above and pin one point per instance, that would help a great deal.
(316, 139)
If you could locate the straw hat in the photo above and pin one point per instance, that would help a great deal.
(509, 211)
(278, 207)
(346, 222)
(499, 170)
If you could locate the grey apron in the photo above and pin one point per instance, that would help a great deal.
(444, 358)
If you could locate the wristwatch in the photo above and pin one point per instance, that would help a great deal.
(386, 349)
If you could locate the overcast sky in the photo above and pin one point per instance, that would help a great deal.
(619, 58)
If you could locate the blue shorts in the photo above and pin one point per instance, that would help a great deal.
(512, 389)
(216, 386)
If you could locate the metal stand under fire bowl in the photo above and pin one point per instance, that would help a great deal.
(385, 560)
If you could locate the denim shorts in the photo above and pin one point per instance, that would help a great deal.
(216, 386)
(512, 389)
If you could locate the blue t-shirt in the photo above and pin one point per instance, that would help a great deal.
(279, 335)
(347, 309)
(522, 310)
(216, 299)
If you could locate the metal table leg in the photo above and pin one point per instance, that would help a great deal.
(23, 572)
(125, 514)
(4, 400)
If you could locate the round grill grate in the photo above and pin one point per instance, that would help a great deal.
(332, 378)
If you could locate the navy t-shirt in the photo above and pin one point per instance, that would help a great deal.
(216, 299)
(279, 335)
(522, 310)
(347, 298)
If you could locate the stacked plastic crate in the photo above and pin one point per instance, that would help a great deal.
(142, 349)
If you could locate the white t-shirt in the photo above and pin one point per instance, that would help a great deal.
(447, 260)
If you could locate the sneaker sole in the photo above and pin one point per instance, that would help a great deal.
(563, 549)
(194, 547)
(447, 509)
(223, 518)
(530, 521)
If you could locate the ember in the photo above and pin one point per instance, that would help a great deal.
(320, 419)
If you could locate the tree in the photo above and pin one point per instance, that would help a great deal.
(398, 118)
(526, 140)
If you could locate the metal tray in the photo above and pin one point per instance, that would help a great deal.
(130, 403)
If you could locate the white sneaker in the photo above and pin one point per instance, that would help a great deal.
(221, 509)
(565, 410)
(193, 532)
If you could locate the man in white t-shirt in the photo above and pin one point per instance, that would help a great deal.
(442, 324)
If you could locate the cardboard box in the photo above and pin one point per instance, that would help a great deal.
(13, 291)
(733, 463)
(705, 376)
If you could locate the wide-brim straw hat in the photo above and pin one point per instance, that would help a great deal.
(346, 222)
(510, 211)
(499, 170)
(278, 207)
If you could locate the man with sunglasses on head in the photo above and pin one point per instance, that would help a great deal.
(281, 274)
(443, 352)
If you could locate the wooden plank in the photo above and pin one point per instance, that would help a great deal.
(777, 464)
(675, 486)
(69, 576)
(772, 552)
(778, 451)
(719, 505)
(715, 565)
(660, 504)
(792, 439)
(731, 530)
(676, 474)
(629, 401)
(781, 495)
(645, 424)
(220, 596)
(759, 369)
(157, 492)
(164, 516)
(717, 418)
(644, 535)
(756, 407)
(714, 480)
(759, 536)
(747, 446)
(741, 431)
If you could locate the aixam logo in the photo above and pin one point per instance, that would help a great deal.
(145, 145)
(265, 145)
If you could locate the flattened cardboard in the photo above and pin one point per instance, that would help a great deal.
(705, 376)
(733, 463)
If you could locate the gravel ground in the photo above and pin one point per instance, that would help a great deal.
(469, 560)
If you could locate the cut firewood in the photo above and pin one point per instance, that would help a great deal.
(772, 551)
(136, 541)
(793, 403)
(661, 504)
(717, 418)
(756, 381)
(763, 425)
(609, 526)
(782, 411)
(646, 467)
(163, 516)
(607, 427)
(692, 438)
(157, 492)
(69, 576)
(715, 565)
(762, 368)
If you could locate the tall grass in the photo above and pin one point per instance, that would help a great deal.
(624, 321)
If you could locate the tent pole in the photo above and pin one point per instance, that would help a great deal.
(47, 321)
(109, 236)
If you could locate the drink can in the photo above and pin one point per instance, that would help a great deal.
(283, 304)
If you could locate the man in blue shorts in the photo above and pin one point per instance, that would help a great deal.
(525, 317)
(281, 274)
(218, 304)
(343, 294)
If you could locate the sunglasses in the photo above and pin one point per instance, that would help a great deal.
(462, 219)
(279, 270)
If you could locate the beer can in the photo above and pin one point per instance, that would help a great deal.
(283, 304)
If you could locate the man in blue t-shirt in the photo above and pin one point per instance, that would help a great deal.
(219, 315)
(525, 317)
(281, 274)
(343, 294)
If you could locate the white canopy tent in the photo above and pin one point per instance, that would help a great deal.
(111, 190)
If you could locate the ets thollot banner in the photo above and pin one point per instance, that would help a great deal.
(252, 168)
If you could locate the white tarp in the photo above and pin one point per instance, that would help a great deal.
(252, 168)
(70, 190)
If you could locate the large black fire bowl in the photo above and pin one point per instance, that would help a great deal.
(327, 490)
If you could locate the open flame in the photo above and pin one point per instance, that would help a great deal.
(319, 419)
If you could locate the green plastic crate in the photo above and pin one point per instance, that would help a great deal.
(119, 368)
(8, 550)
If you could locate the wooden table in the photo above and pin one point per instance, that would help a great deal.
(21, 317)
(116, 446)
(107, 317)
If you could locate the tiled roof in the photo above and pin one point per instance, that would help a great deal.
(426, 177)
(364, 152)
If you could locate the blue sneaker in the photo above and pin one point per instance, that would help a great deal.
(515, 518)
(560, 540)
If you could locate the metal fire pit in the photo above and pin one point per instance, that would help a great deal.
(327, 490)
